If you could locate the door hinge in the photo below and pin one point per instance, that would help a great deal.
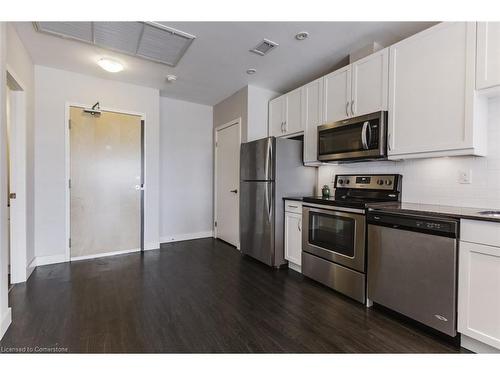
(69, 242)
(69, 183)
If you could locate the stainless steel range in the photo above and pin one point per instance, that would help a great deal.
(334, 231)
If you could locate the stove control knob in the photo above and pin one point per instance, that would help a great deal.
(347, 182)
(380, 182)
(340, 181)
(388, 182)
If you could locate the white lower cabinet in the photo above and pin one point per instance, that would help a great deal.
(293, 234)
(479, 287)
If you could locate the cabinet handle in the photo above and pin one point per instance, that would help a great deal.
(389, 141)
(347, 109)
(285, 126)
(352, 107)
(292, 206)
(282, 126)
(299, 225)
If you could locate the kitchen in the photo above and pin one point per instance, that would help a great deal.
(391, 222)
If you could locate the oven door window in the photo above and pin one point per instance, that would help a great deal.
(334, 233)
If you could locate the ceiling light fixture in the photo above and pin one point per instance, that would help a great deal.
(302, 35)
(110, 65)
(251, 71)
(171, 78)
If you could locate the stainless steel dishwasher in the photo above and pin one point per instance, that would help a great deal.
(412, 267)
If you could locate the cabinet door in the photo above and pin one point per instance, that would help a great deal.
(370, 84)
(431, 87)
(276, 122)
(293, 112)
(313, 117)
(479, 293)
(337, 95)
(488, 55)
(293, 238)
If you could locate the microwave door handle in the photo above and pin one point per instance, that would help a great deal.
(364, 141)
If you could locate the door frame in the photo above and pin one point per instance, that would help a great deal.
(19, 270)
(235, 122)
(67, 174)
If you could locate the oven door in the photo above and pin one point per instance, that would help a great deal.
(356, 138)
(335, 236)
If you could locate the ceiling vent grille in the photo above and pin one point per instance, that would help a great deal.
(264, 47)
(147, 40)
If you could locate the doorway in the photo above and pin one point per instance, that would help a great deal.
(16, 179)
(106, 186)
(227, 182)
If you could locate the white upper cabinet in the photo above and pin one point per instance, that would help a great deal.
(313, 117)
(488, 55)
(337, 95)
(293, 112)
(370, 83)
(277, 116)
(432, 101)
(285, 114)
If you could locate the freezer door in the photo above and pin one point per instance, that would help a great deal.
(257, 220)
(257, 160)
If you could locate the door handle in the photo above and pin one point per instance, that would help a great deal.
(364, 141)
(235, 191)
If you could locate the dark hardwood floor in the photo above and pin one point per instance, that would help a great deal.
(197, 296)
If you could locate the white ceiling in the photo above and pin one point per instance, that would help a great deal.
(215, 65)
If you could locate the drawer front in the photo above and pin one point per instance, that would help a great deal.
(482, 232)
(294, 207)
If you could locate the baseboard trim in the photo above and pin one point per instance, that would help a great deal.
(6, 320)
(152, 246)
(185, 236)
(31, 267)
(103, 255)
(477, 346)
(294, 267)
(49, 259)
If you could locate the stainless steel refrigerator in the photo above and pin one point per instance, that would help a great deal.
(270, 169)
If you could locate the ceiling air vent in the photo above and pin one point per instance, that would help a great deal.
(147, 40)
(264, 47)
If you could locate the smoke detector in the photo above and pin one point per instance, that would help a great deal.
(171, 78)
(264, 47)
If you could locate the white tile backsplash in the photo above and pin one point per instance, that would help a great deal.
(435, 180)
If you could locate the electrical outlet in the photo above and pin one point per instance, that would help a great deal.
(465, 176)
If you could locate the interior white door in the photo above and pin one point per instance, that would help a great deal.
(370, 84)
(227, 183)
(337, 95)
(105, 172)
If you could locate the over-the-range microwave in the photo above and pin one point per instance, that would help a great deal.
(357, 138)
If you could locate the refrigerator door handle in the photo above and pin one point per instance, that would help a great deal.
(268, 201)
(268, 158)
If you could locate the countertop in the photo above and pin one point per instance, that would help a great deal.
(433, 210)
(298, 199)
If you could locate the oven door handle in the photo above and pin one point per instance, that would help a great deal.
(366, 130)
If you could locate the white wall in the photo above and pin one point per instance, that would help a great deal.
(21, 68)
(185, 170)
(435, 181)
(5, 314)
(54, 89)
